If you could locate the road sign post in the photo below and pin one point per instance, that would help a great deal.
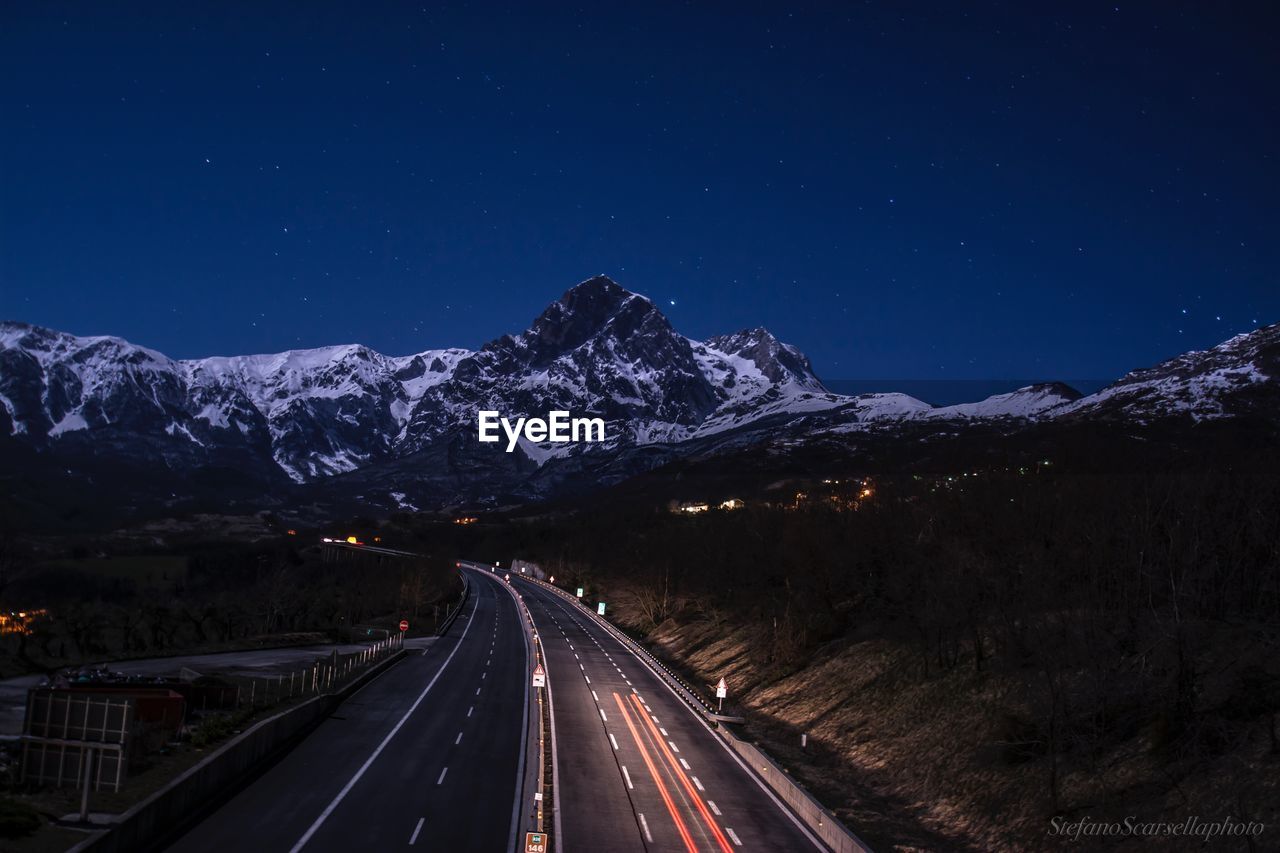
(535, 842)
(404, 625)
(600, 608)
(539, 676)
(579, 592)
(722, 690)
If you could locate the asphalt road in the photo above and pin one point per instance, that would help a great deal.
(638, 769)
(425, 756)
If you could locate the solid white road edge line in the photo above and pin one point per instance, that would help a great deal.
(799, 824)
(644, 824)
(524, 725)
(351, 783)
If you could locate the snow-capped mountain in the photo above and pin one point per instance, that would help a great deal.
(599, 350)
(1029, 402)
(1238, 377)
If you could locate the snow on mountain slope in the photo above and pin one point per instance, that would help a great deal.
(1028, 402)
(55, 383)
(1237, 377)
(329, 410)
(599, 350)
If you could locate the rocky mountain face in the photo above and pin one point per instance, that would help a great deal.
(1239, 377)
(404, 428)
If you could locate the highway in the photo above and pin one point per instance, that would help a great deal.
(638, 769)
(428, 755)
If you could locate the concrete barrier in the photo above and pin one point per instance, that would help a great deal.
(175, 807)
(809, 811)
(822, 822)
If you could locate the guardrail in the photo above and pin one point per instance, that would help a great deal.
(803, 805)
(456, 609)
(176, 806)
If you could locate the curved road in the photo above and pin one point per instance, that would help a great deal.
(425, 756)
(639, 770)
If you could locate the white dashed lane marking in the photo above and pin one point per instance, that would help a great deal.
(645, 826)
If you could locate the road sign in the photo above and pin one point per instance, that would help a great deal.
(539, 676)
(404, 625)
(600, 608)
(579, 592)
(722, 690)
(535, 842)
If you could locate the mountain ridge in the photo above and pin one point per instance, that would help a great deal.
(598, 350)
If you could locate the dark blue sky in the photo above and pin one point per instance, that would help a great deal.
(902, 190)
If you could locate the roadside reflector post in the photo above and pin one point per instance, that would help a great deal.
(804, 740)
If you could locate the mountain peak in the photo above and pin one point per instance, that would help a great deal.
(592, 308)
(779, 362)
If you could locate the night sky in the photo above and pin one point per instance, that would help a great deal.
(901, 190)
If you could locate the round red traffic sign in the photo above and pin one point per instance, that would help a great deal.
(404, 625)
